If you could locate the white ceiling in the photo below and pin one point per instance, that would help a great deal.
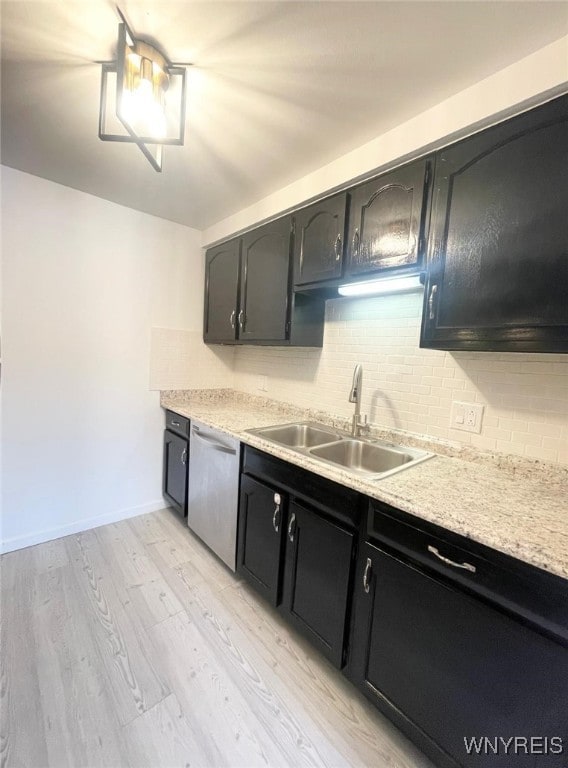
(277, 88)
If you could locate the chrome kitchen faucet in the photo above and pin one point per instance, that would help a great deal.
(358, 426)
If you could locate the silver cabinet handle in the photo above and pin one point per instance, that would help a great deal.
(276, 515)
(338, 247)
(184, 457)
(242, 320)
(366, 575)
(175, 423)
(212, 443)
(232, 318)
(355, 245)
(292, 527)
(433, 292)
(464, 566)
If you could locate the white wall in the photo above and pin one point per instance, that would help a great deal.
(405, 387)
(84, 281)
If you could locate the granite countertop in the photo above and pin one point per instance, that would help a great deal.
(516, 507)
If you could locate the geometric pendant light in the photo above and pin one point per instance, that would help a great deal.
(142, 97)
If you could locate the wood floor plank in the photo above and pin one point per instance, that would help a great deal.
(79, 723)
(163, 736)
(22, 734)
(126, 654)
(182, 546)
(134, 569)
(230, 735)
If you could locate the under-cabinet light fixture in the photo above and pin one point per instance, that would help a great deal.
(142, 96)
(400, 284)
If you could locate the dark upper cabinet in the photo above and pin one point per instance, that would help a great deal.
(498, 249)
(262, 520)
(248, 292)
(320, 240)
(316, 581)
(453, 667)
(264, 312)
(221, 307)
(387, 219)
(174, 486)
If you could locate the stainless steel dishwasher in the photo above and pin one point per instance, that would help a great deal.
(213, 494)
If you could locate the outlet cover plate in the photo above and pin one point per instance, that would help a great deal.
(466, 416)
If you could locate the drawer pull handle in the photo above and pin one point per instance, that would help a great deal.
(366, 575)
(276, 515)
(292, 527)
(175, 423)
(184, 457)
(232, 318)
(464, 566)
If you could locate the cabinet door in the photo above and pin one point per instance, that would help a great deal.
(265, 282)
(176, 452)
(455, 667)
(221, 292)
(261, 521)
(318, 566)
(498, 251)
(319, 241)
(386, 220)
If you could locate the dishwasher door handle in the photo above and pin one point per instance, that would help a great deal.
(212, 442)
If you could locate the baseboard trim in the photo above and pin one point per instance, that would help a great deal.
(39, 537)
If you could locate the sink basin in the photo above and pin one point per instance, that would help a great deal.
(301, 435)
(360, 456)
(369, 458)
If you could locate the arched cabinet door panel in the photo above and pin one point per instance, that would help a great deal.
(222, 273)
(265, 280)
(387, 221)
(498, 250)
(320, 241)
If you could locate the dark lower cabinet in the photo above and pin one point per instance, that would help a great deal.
(176, 457)
(498, 247)
(296, 547)
(452, 670)
(262, 515)
(317, 577)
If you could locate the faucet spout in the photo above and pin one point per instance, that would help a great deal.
(355, 397)
(355, 394)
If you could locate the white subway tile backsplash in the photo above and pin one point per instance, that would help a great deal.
(525, 395)
(180, 360)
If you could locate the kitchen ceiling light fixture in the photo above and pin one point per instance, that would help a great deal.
(383, 285)
(142, 97)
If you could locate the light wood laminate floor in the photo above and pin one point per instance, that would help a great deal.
(132, 645)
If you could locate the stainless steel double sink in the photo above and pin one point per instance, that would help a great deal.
(367, 457)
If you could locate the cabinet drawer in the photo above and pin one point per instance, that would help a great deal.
(537, 597)
(177, 424)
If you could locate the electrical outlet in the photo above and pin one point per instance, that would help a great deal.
(466, 416)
